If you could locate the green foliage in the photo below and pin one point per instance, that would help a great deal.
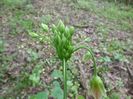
(19, 22)
(33, 56)
(18, 9)
(81, 97)
(1, 46)
(102, 69)
(115, 96)
(119, 57)
(62, 41)
(57, 74)
(128, 97)
(87, 5)
(104, 59)
(114, 45)
(36, 74)
(73, 87)
(1, 97)
(57, 92)
(39, 95)
(122, 1)
(28, 79)
(33, 34)
(13, 3)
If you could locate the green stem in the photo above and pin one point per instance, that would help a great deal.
(65, 78)
(93, 58)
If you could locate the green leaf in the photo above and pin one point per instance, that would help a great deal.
(45, 27)
(33, 34)
(57, 92)
(69, 83)
(57, 74)
(46, 19)
(88, 40)
(34, 78)
(32, 55)
(40, 95)
(105, 59)
(119, 57)
(54, 28)
(71, 30)
(1, 97)
(36, 73)
(81, 97)
(115, 96)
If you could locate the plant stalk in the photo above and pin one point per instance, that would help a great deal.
(65, 78)
(93, 58)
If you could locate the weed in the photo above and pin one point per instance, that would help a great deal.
(21, 24)
(57, 92)
(33, 56)
(35, 75)
(105, 59)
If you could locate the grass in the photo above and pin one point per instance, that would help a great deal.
(118, 13)
(13, 3)
(16, 12)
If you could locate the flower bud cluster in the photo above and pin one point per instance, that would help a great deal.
(62, 40)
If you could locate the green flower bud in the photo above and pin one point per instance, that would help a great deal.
(61, 26)
(55, 40)
(71, 30)
(64, 51)
(63, 40)
(67, 56)
(97, 87)
(67, 33)
(59, 33)
(45, 27)
(70, 49)
(54, 28)
(67, 43)
(58, 41)
(59, 52)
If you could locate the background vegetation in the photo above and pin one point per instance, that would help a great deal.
(29, 66)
